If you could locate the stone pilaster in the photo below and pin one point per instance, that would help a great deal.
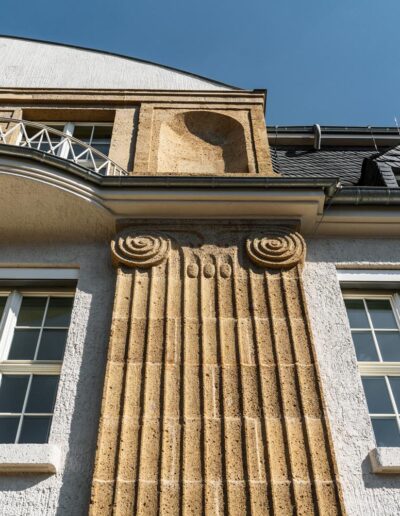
(212, 403)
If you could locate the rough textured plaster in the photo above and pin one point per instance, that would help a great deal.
(43, 65)
(75, 421)
(48, 213)
(365, 493)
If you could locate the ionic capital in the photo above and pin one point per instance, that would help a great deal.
(139, 249)
(277, 248)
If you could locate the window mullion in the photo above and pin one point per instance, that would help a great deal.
(21, 419)
(68, 129)
(9, 322)
(396, 308)
(372, 330)
(91, 135)
(393, 401)
(41, 328)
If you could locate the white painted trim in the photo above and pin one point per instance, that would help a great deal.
(385, 460)
(378, 368)
(8, 322)
(29, 458)
(38, 273)
(64, 148)
(30, 367)
(364, 276)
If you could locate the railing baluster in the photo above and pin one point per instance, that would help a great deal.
(90, 158)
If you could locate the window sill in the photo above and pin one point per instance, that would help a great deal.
(29, 458)
(385, 460)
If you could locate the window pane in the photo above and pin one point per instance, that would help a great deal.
(23, 345)
(52, 345)
(83, 132)
(35, 429)
(77, 151)
(32, 311)
(395, 385)
(8, 429)
(103, 132)
(104, 148)
(381, 313)
(59, 311)
(3, 301)
(386, 432)
(377, 395)
(389, 344)
(12, 392)
(32, 130)
(365, 347)
(356, 313)
(42, 394)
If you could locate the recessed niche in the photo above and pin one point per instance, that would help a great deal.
(202, 142)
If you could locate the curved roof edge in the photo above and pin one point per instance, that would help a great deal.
(216, 84)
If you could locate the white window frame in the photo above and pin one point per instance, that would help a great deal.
(33, 458)
(8, 324)
(377, 284)
(7, 328)
(382, 367)
(69, 129)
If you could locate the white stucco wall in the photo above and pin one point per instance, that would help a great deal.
(33, 64)
(75, 421)
(365, 493)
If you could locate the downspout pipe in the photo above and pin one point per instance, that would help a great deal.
(317, 136)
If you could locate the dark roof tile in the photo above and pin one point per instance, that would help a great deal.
(343, 163)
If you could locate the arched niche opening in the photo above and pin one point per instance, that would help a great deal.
(202, 142)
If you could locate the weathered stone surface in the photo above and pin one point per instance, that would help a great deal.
(199, 138)
(218, 400)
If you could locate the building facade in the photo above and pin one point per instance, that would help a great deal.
(198, 315)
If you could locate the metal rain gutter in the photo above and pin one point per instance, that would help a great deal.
(366, 196)
(329, 185)
(335, 193)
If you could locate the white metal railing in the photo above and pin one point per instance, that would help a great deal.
(34, 135)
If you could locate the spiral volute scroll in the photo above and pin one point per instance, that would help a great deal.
(137, 249)
(276, 248)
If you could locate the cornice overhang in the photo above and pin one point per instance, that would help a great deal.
(126, 97)
(314, 202)
(172, 196)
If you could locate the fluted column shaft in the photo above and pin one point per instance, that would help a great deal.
(212, 403)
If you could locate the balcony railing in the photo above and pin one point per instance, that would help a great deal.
(34, 135)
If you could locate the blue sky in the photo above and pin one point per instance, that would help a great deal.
(322, 61)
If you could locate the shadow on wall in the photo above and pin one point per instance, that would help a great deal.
(75, 490)
(22, 481)
(202, 142)
(377, 481)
